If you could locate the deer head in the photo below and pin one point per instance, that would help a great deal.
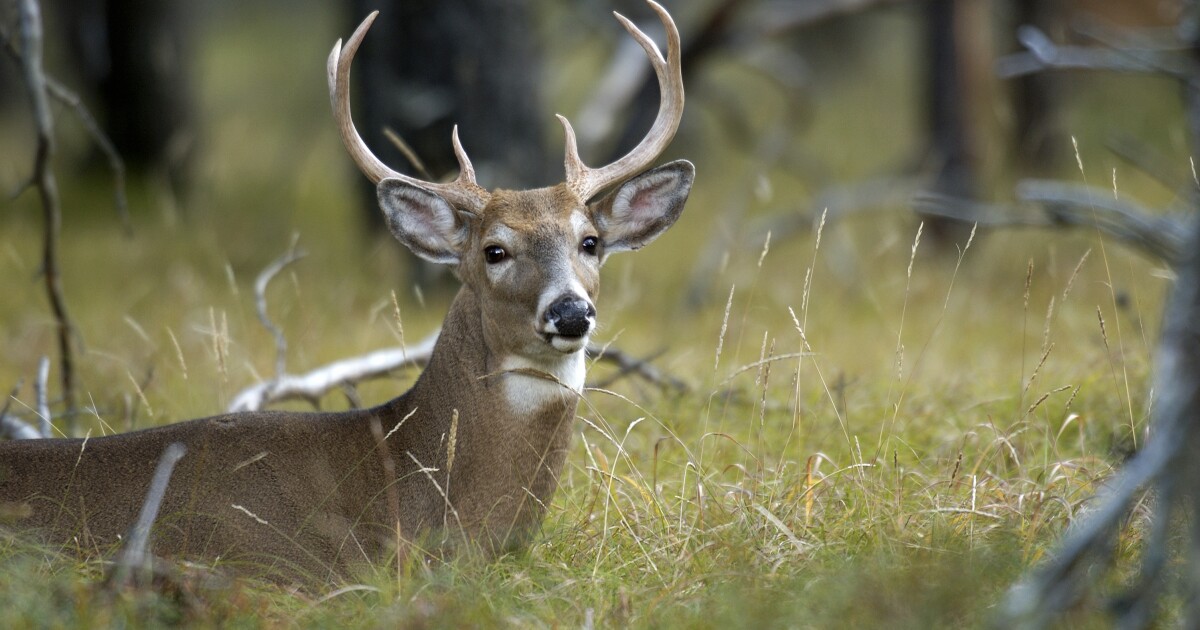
(533, 257)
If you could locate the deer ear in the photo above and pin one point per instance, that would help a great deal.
(422, 221)
(644, 207)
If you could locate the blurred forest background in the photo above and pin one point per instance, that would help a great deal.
(943, 402)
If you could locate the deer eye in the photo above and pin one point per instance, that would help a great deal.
(493, 254)
(589, 245)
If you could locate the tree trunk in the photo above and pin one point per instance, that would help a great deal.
(950, 138)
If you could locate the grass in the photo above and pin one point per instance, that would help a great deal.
(876, 434)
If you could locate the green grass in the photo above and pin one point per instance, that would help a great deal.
(935, 433)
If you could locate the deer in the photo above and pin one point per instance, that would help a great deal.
(470, 456)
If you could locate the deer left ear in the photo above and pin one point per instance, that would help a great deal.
(644, 207)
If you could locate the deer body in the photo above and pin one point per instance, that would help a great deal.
(307, 494)
(472, 453)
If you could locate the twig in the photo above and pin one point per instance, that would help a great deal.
(413, 159)
(30, 48)
(1043, 54)
(316, 383)
(135, 555)
(39, 394)
(780, 17)
(12, 427)
(1166, 462)
(260, 304)
(627, 364)
(69, 98)
(1070, 205)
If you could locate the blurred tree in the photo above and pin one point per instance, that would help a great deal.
(133, 55)
(951, 141)
(1039, 139)
(431, 64)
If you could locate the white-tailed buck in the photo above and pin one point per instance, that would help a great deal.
(472, 452)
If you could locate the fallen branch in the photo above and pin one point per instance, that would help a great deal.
(12, 427)
(1050, 204)
(260, 304)
(1042, 54)
(135, 558)
(627, 365)
(316, 383)
(1166, 464)
(312, 385)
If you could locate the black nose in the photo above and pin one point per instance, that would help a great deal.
(570, 315)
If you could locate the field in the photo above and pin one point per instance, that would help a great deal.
(874, 432)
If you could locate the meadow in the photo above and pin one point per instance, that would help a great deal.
(874, 431)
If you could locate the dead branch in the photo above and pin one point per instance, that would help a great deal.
(316, 383)
(135, 557)
(1051, 204)
(780, 17)
(69, 98)
(39, 394)
(12, 427)
(312, 385)
(1166, 464)
(837, 203)
(1043, 54)
(627, 365)
(30, 52)
(260, 303)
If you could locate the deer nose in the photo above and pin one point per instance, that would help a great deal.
(570, 316)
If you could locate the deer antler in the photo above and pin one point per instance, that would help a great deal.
(586, 181)
(463, 193)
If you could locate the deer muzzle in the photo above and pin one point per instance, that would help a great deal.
(567, 321)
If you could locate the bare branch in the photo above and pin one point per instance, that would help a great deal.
(782, 16)
(69, 98)
(135, 556)
(30, 49)
(260, 304)
(627, 364)
(312, 385)
(1164, 463)
(12, 427)
(316, 383)
(1043, 54)
(39, 394)
(1070, 205)
(115, 163)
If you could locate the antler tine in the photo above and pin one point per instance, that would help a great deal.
(587, 181)
(464, 193)
(466, 172)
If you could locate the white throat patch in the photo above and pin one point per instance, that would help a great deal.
(527, 394)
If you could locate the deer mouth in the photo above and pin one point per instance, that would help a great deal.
(566, 343)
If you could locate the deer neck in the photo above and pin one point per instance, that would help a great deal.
(514, 424)
(471, 356)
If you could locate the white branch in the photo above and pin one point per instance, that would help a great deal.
(316, 383)
(14, 428)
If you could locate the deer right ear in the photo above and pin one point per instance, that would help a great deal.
(422, 221)
(644, 207)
